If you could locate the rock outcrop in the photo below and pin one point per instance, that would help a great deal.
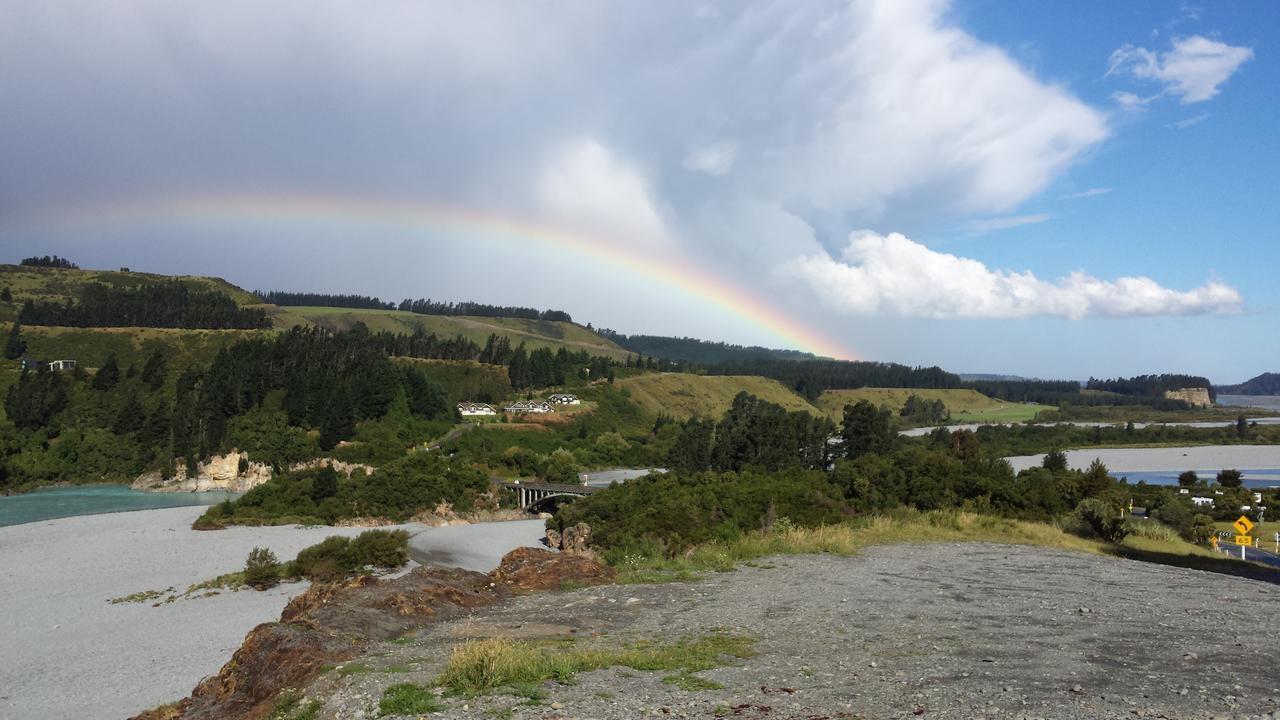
(538, 569)
(574, 539)
(1196, 397)
(227, 473)
(327, 624)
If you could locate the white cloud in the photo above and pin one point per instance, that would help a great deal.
(1193, 69)
(586, 188)
(1091, 192)
(715, 159)
(892, 274)
(1004, 223)
(1185, 123)
(1130, 102)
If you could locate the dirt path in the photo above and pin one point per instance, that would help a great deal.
(943, 631)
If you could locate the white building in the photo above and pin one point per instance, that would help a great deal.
(564, 399)
(523, 408)
(1202, 501)
(476, 410)
(62, 365)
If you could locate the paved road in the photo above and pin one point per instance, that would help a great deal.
(1258, 555)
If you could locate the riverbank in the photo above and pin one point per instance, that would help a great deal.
(77, 655)
(68, 500)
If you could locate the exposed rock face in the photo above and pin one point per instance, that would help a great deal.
(1197, 397)
(345, 468)
(574, 539)
(218, 473)
(327, 624)
(537, 569)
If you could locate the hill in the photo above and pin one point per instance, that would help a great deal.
(63, 284)
(1264, 384)
(964, 405)
(533, 333)
(684, 396)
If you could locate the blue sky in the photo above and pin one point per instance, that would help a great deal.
(1040, 188)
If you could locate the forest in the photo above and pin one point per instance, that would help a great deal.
(1264, 384)
(1150, 386)
(811, 377)
(49, 261)
(168, 304)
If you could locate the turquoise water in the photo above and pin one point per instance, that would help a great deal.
(1253, 479)
(59, 502)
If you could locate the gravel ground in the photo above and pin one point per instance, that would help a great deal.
(1206, 459)
(478, 547)
(944, 631)
(66, 652)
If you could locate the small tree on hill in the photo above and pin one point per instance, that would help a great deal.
(1188, 478)
(1242, 427)
(15, 347)
(108, 375)
(5, 295)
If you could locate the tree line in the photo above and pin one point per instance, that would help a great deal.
(310, 299)
(1150, 385)
(433, 307)
(811, 377)
(695, 351)
(167, 304)
(49, 261)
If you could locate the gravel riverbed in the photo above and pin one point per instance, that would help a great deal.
(944, 631)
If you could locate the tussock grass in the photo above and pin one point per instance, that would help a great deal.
(849, 539)
(409, 699)
(1152, 530)
(490, 664)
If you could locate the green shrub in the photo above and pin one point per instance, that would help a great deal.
(326, 560)
(380, 548)
(1100, 519)
(261, 569)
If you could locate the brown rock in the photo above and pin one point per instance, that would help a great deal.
(537, 569)
(325, 625)
(576, 539)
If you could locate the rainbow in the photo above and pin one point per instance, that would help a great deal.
(220, 209)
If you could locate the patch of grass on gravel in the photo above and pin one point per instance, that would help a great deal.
(908, 526)
(290, 707)
(691, 682)
(409, 699)
(493, 664)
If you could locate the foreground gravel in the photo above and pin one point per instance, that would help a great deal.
(944, 631)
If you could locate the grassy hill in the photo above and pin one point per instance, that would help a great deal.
(533, 333)
(709, 396)
(965, 405)
(57, 284)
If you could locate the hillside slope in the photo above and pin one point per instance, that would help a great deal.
(60, 285)
(1264, 384)
(709, 396)
(533, 333)
(964, 405)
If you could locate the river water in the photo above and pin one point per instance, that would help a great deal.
(72, 500)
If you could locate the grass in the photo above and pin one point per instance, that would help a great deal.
(533, 333)
(943, 526)
(1265, 532)
(683, 395)
(409, 699)
(494, 664)
(290, 706)
(966, 406)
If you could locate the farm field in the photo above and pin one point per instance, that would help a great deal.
(966, 406)
(709, 396)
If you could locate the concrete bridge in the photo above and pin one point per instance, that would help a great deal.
(536, 497)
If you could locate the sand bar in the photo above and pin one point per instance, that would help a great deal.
(1203, 459)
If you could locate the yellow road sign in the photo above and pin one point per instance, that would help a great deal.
(1244, 540)
(1243, 525)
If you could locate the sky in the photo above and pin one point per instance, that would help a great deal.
(1036, 188)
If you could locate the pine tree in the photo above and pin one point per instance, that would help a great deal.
(5, 295)
(338, 422)
(108, 375)
(15, 347)
(154, 371)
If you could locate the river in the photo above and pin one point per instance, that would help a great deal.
(1260, 464)
(72, 500)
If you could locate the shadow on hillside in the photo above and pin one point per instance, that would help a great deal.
(1222, 566)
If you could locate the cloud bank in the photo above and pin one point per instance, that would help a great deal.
(892, 274)
(1193, 69)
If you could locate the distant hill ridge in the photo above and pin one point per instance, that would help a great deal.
(1265, 384)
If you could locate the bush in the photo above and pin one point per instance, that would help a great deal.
(380, 548)
(261, 569)
(337, 557)
(1100, 519)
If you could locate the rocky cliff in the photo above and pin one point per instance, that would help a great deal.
(227, 473)
(1196, 397)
